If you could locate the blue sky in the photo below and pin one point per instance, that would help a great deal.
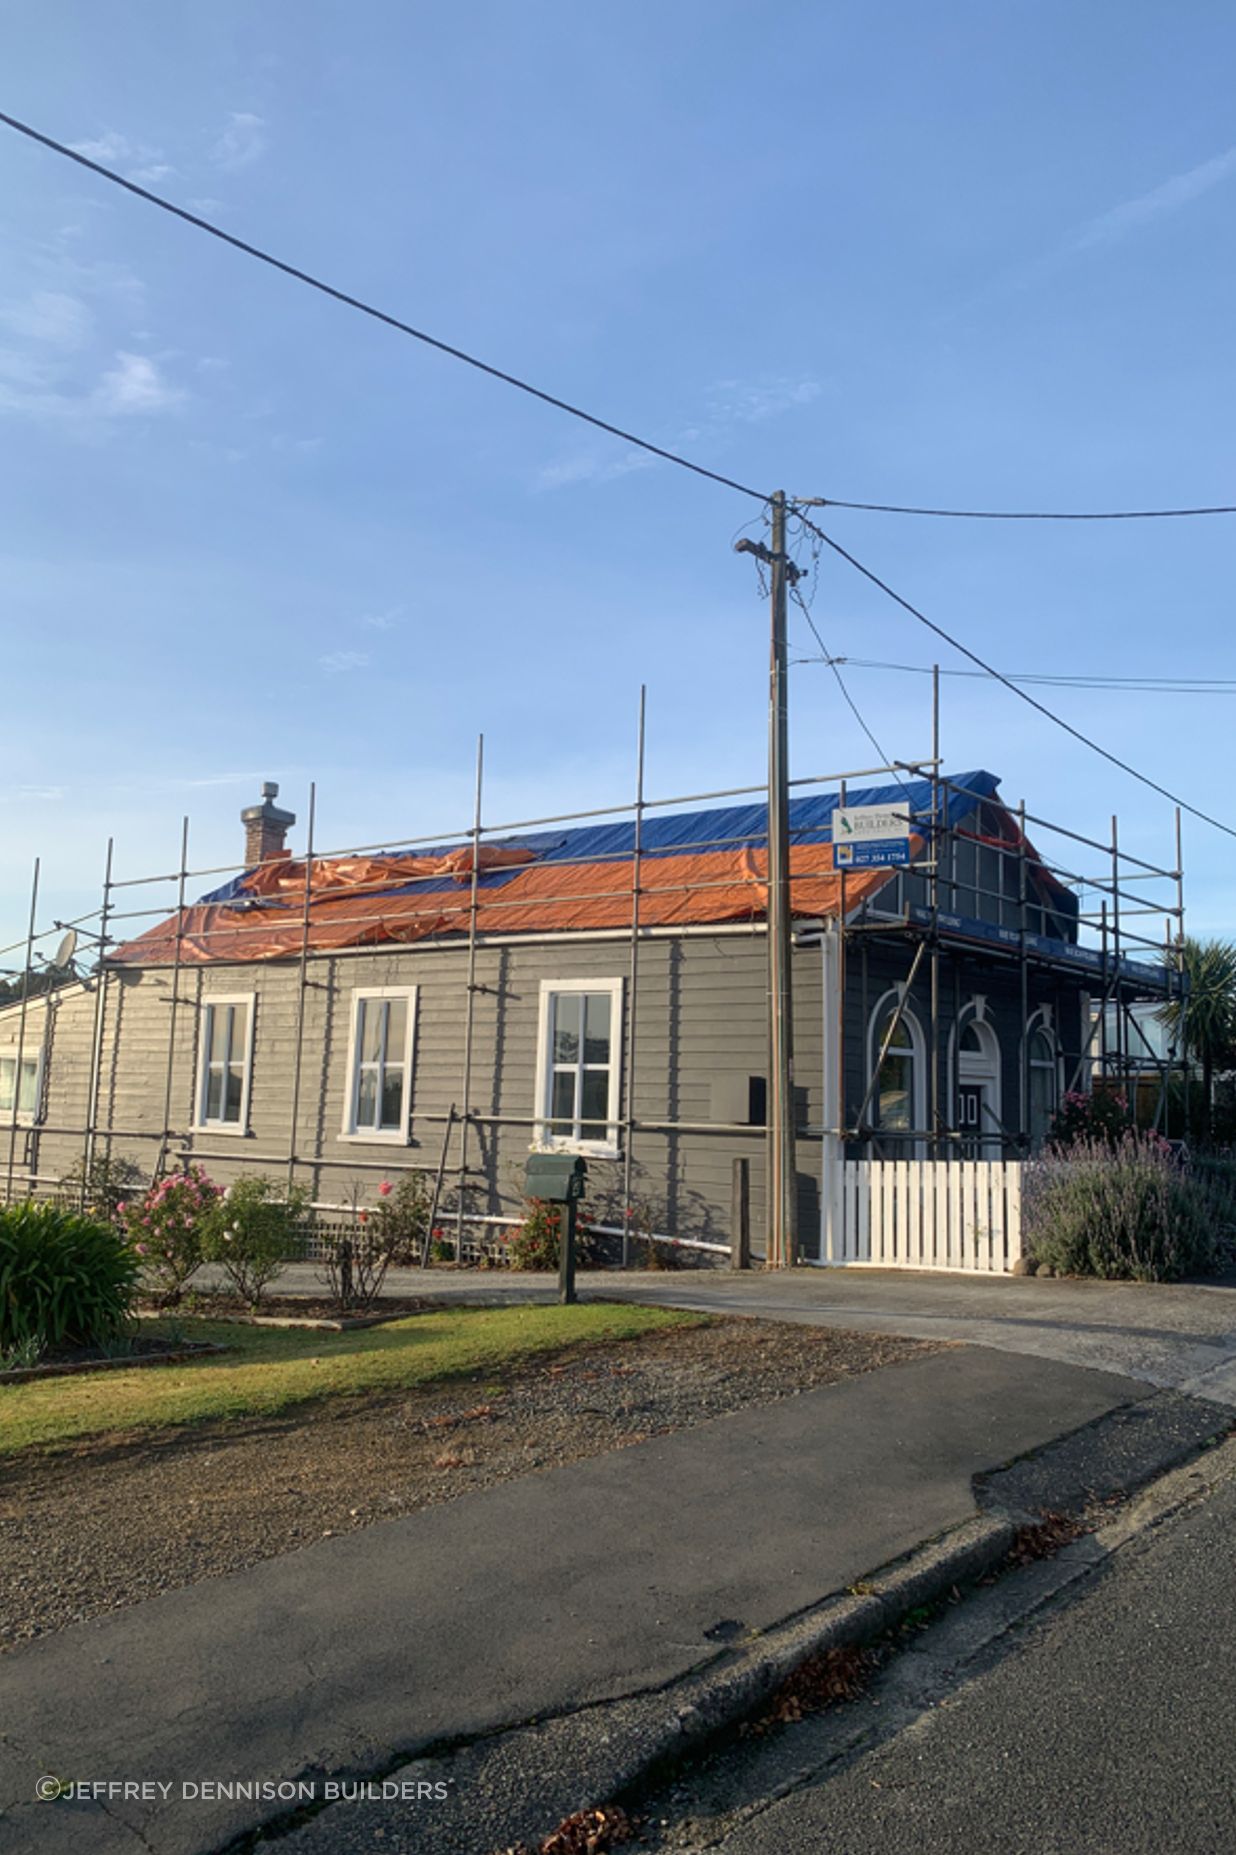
(955, 254)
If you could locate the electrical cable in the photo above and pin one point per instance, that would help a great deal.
(1016, 515)
(832, 662)
(378, 315)
(1022, 694)
(1129, 685)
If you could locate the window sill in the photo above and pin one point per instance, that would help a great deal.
(583, 1149)
(227, 1128)
(371, 1137)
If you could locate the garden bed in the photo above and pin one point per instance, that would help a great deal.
(217, 1498)
(312, 1311)
(145, 1351)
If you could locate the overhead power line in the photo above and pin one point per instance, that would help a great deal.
(313, 282)
(378, 315)
(1130, 685)
(1016, 515)
(834, 665)
(1022, 694)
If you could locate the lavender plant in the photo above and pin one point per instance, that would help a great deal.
(1125, 1210)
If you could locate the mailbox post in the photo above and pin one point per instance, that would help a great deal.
(559, 1178)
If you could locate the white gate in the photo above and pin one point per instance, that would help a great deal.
(962, 1214)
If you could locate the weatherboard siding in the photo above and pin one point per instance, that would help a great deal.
(700, 1015)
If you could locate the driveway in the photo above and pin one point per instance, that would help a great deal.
(1180, 1337)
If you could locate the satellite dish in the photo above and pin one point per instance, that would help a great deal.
(66, 949)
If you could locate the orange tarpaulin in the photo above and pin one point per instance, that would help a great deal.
(712, 888)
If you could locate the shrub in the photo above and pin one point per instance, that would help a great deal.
(401, 1220)
(1102, 1116)
(536, 1243)
(251, 1231)
(165, 1227)
(101, 1188)
(65, 1279)
(1125, 1210)
(354, 1265)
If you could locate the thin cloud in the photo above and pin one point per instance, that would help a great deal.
(109, 148)
(48, 316)
(381, 621)
(136, 160)
(1181, 190)
(242, 142)
(337, 663)
(135, 385)
(132, 386)
(729, 403)
(739, 402)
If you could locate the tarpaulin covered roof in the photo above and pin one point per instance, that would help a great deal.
(697, 869)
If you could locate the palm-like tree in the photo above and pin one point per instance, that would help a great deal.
(1203, 1017)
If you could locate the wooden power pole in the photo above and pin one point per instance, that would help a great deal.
(781, 1221)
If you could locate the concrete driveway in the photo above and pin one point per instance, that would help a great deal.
(1180, 1338)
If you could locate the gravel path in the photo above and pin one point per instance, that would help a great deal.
(105, 1524)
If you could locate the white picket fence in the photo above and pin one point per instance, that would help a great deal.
(961, 1214)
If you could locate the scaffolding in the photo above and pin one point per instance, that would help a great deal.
(1130, 941)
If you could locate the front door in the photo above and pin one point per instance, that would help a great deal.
(974, 1117)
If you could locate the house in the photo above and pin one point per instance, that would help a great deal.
(600, 987)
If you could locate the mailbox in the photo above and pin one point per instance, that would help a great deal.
(557, 1177)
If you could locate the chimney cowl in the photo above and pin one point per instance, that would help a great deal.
(266, 827)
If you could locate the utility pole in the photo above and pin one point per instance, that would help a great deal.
(781, 1222)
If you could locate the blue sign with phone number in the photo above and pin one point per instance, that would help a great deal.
(875, 853)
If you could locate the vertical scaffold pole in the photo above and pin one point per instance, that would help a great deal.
(1023, 898)
(1180, 966)
(100, 1024)
(302, 989)
(637, 848)
(170, 1073)
(1122, 1068)
(465, 1118)
(933, 1066)
(21, 1033)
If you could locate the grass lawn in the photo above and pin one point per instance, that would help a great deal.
(269, 1369)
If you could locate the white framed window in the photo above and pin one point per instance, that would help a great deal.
(225, 1063)
(579, 1065)
(379, 1088)
(1042, 1076)
(899, 1096)
(29, 1089)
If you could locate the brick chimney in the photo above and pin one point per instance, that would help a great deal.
(266, 826)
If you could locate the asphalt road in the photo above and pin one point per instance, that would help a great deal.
(1107, 1728)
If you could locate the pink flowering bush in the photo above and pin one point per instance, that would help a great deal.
(400, 1222)
(536, 1243)
(165, 1228)
(1103, 1115)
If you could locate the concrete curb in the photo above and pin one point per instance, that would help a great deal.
(616, 1749)
(611, 1749)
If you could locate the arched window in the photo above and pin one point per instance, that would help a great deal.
(1043, 1079)
(897, 1098)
